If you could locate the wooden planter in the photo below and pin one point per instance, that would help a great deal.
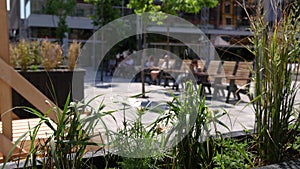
(62, 82)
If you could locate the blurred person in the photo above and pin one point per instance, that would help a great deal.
(127, 66)
(150, 62)
(128, 61)
(195, 70)
(155, 73)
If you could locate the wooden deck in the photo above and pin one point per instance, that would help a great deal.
(19, 127)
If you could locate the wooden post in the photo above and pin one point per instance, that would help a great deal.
(5, 89)
(9, 79)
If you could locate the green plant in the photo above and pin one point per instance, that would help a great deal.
(182, 137)
(293, 147)
(275, 44)
(70, 136)
(157, 13)
(21, 54)
(134, 142)
(195, 129)
(198, 147)
(233, 153)
(188, 126)
(24, 54)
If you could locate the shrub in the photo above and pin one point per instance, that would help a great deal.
(275, 45)
(21, 54)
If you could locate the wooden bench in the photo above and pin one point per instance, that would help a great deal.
(238, 82)
(207, 78)
(227, 69)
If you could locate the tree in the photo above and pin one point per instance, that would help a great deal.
(104, 11)
(60, 8)
(159, 7)
(170, 6)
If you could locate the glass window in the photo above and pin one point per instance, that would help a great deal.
(228, 21)
(80, 12)
(227, 8)
(37, 6)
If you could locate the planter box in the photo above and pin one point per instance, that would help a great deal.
(97, 160)
(63, 83)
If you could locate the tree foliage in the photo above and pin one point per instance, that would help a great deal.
(104, 11)
(170, 6)
(60, 8)
(158, 8)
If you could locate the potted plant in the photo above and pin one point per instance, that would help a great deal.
(41, 64)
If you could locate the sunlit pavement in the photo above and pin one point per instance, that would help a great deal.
(115, 93)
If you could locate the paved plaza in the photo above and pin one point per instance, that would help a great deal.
(116, 92)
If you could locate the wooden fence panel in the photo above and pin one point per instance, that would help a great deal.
(5, 93)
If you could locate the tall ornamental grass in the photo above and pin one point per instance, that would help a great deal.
(68, 138)
(276, 47)
(196, 127)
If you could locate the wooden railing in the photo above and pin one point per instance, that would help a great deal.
(9, 78)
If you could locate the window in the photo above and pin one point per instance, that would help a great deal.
(228, 21)
(80, 12)
(227, 8)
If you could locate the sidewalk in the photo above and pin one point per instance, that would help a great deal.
(115, 92)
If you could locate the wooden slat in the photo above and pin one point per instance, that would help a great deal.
(5, 94)
(213, 68)
(228, 67)
(243, 70)
(21, 126)
(5, 105)
(1, 158)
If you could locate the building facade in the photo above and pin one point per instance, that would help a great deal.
(28, 20)
(31, 22)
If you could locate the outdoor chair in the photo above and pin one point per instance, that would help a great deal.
(206, 78)
(167, 74)
(182, 74)
(239, 82)
(147, 71)
(227, 69)
(158, 65)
